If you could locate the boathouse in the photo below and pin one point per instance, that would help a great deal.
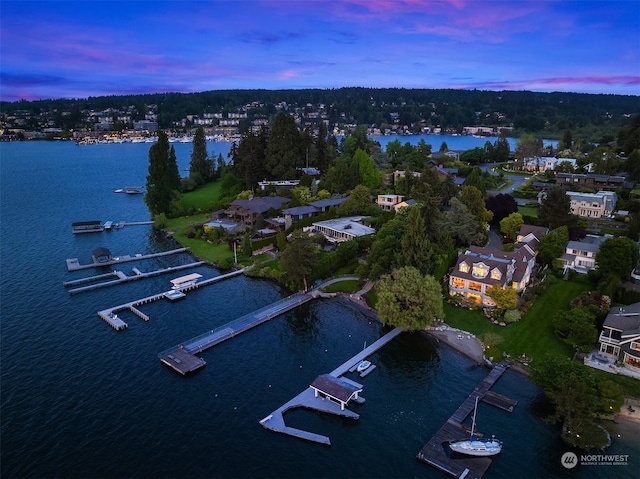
(335, 389)
(101, 255)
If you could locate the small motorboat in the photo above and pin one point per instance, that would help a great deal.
(363, 366)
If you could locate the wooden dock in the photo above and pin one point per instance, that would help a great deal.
(74, 265)
(306, 399)
(436, 452)
(232, 329)
(122, 278)
(108, 314)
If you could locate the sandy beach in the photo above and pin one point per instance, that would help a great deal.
(461, 341)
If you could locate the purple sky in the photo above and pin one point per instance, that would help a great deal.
(76, 49)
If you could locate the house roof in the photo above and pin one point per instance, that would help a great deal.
(260, 204)
(300, 210)
(625, 319)
(335, 387)
(328, 202)
(538, 231)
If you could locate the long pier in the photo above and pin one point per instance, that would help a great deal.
(436, 453)
(307, 399)
(122, 278)
(110, 316)
(74, 265)
(228, 331)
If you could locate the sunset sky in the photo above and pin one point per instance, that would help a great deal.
(76, 49)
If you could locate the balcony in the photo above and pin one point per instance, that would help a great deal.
(607, 339)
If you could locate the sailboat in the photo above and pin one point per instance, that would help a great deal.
(476, 446)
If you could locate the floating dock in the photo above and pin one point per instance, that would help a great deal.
(107, 314)
(436, 452)
(122, 278)
(74, 265)
(307, 399)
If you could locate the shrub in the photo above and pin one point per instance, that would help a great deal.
(159, 221)
(511, 316)
(226, 263)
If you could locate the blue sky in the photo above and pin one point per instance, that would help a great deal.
(76, 49)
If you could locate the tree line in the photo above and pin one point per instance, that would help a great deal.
(525, 111)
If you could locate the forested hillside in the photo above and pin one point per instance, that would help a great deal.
(549, 114)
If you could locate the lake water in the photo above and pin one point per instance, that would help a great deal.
(80, 400)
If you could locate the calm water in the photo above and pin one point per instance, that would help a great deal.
(80, 400)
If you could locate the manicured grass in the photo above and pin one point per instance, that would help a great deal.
(630, 386)
(531, 211)
(533, 335)
(203, 250)
(346, 286)
(205, 198)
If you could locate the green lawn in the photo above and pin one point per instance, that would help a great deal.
(533, 335)
(346, 286)
(205, 198)
(531, 211)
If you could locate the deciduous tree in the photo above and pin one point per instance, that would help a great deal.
(510, 226)
(408, 299)
(617, 257)
(505, 298)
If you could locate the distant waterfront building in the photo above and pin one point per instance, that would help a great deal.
(145, 125)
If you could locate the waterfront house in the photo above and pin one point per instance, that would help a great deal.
(620, 337)
(478, 269)
(247, 210)
(342, 229)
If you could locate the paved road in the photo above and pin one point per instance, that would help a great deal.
(518, 180)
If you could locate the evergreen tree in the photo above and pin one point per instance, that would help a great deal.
(501, 150)
(555, 209)
(249, 157)
(322, 149)
(163, 180)
(283, 153)
(416, 249)
(200, 167)
(299, 258)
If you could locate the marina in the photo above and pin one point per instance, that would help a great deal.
(320, 395)
(73, 264)
(437, 453)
